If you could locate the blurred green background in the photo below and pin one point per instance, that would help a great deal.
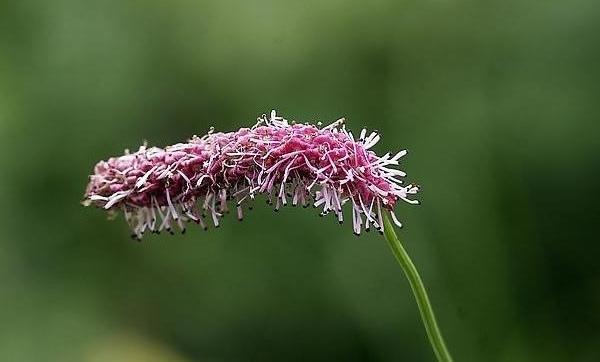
(498, 102)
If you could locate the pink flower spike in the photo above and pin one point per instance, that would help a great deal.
(288, 163)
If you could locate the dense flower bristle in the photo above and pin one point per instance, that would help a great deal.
(289, 163)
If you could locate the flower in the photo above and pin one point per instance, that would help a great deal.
(289, 163)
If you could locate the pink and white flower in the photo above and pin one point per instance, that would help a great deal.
(297, 164)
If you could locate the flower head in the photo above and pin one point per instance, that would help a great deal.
(295, 164)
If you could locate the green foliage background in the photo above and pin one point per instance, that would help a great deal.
(498, 102)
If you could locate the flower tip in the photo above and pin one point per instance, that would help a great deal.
(299, 164)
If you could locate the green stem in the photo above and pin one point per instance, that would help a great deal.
(433, 331)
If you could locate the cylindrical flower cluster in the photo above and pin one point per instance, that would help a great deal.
(297, 164)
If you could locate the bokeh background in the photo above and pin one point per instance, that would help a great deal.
(498, 102)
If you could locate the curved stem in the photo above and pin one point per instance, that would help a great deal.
(427, 315)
